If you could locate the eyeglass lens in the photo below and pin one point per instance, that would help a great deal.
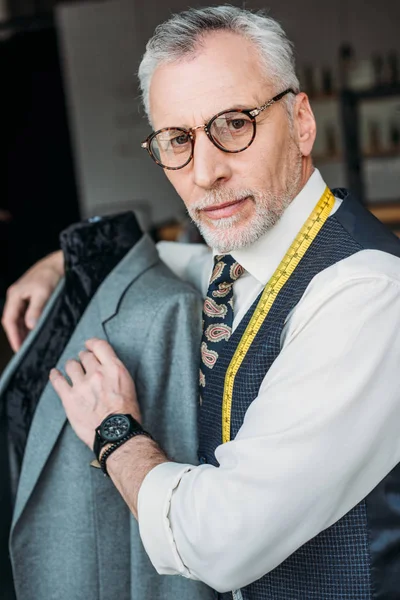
(233, 131)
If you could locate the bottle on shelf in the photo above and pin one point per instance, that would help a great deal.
(375, 138)
(346, 63)
(331, 144)
(378, 64)
(327, 81)
(393, 68)
(309, 80)
(394, 135)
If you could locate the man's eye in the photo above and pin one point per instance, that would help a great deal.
(236, 124)
(180, 140)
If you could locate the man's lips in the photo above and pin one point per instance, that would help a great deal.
(227, 209)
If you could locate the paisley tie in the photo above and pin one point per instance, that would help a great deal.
(218, 312)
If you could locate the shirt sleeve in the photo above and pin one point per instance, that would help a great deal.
(322, 433)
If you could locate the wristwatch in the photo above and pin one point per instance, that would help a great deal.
(116, 429)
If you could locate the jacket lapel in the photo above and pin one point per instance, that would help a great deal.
(141, 257)
(49, 418)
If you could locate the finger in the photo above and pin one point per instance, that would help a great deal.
(89, 361)
(74, 370)
(16, 333)
(13, 320)
(101, 350)
(60, 384)
(35, 309)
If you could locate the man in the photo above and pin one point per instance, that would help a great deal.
(299, 442)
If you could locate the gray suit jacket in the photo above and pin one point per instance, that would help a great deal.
(72, 536)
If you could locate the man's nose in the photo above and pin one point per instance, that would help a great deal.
(210, 165)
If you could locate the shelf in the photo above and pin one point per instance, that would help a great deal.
(387, 212)
(328, 158)
(356, 177)
(383, 91)
(322, 97)
(382, 154)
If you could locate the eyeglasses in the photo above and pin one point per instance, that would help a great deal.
(230, 130)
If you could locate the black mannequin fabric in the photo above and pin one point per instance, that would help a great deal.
(91, 250)
(6, 578)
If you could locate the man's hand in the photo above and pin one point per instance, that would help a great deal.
(27, 297)
(101, 385)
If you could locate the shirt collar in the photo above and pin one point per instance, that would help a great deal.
(262, 258)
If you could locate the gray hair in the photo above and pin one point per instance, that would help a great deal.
(181, 35)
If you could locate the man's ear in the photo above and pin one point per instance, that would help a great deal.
(304, 124)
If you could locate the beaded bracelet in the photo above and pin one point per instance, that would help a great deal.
(116, 445)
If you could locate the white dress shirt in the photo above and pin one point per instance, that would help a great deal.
(322, 433)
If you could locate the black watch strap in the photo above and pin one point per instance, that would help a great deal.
(116, 445)
(101, 439)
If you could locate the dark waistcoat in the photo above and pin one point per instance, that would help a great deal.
(357, 558)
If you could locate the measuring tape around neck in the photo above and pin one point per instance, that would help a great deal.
(285, 269)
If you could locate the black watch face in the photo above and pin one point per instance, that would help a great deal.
(115, 428)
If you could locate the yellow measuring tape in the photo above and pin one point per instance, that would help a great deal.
(285, 269)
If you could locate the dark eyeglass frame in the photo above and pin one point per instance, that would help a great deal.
(251, 113)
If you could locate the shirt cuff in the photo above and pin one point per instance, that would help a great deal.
(154, 525)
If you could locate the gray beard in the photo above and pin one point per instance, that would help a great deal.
(227, 234)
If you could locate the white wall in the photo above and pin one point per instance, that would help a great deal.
(99, 49)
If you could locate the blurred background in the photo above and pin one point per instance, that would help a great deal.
(72, 122)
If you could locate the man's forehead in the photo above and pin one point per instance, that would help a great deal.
(221, 76)
(190, 105)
